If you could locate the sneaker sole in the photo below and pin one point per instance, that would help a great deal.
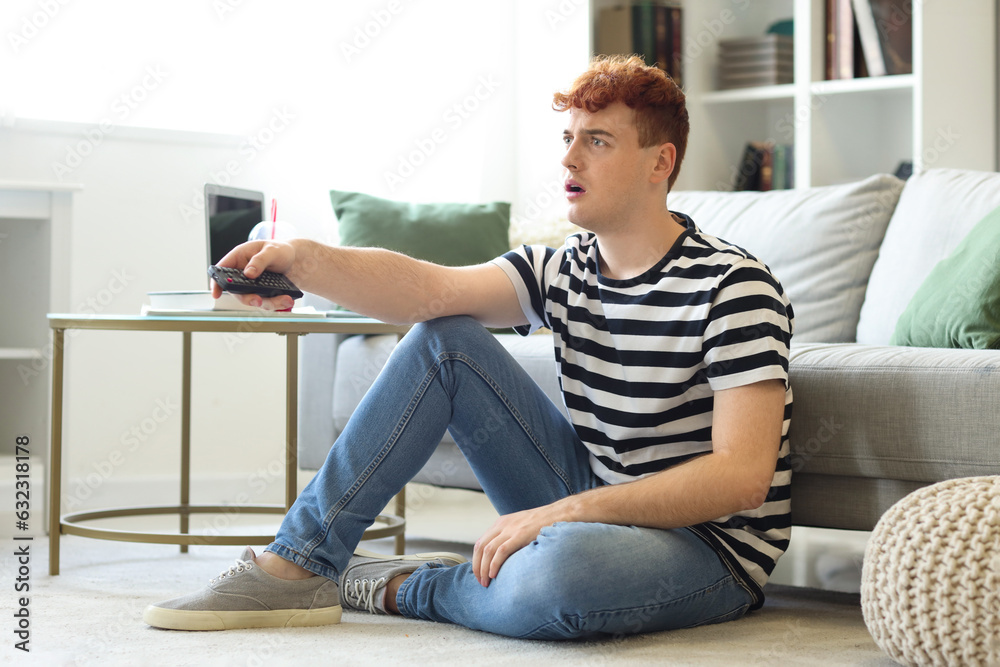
(178, 619)
(457, 559)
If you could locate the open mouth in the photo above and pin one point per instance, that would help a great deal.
(574, 187)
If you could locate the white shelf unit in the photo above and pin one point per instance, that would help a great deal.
(34, 261)
(944, 114)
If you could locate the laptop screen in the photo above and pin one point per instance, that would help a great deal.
(230, 216)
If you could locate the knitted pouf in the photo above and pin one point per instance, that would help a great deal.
(930, 585)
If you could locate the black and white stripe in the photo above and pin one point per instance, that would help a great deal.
(640, 360)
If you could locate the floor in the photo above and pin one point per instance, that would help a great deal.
(91, 614)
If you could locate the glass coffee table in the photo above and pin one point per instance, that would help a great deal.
(291, 327)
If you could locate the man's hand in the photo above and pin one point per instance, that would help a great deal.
(735, 476)
(253, 258)
(509, 534)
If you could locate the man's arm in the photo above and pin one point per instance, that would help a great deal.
(380, 283)
(735, 476)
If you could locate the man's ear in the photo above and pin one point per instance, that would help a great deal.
(665, 160)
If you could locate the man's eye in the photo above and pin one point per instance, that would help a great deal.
(567, 140)
(598, 142)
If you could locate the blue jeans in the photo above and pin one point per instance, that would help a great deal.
(576, 580)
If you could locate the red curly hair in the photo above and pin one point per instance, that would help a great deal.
(660, 112)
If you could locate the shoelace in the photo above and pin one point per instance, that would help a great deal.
(238, 566)
(361, 592)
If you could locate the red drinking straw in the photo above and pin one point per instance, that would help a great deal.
(274, 216)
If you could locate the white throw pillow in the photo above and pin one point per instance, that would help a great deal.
(819, 242)
(937, 209)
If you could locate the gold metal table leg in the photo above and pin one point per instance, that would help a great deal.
(55, 451)
(401, 513)
(185, 435)
(291, 418)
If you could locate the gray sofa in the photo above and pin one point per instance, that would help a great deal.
(871, 422)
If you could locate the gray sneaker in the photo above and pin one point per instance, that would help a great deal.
(363, 582)
(245, 596)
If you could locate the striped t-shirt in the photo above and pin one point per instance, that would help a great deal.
(640, 359)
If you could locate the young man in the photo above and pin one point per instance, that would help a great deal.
(664, 504)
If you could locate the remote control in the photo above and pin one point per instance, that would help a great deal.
(268, 284)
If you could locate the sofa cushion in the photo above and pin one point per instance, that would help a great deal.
(450, 234)
(360, 359)
(901, 413)
(820, 242)
(936, 211)
(958, 304)
(549, 230)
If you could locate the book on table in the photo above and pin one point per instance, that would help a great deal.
(201, 303)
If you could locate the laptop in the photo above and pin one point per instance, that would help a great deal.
(230, 216)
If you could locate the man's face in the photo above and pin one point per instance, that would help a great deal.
(607, 173)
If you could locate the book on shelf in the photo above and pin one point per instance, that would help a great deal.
(644, 31)
(839, 39)
(755, 61)
(868, 38)
(765, 166)
(871, 47)
(894, 23)
(614, 31)
(653, 30)
(784, 167)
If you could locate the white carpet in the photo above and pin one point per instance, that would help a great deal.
(90, 614)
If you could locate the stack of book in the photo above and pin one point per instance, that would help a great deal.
(755, 61)
(868, 38)
(650, 29)
(765, 166)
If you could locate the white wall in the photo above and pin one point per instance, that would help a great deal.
(319, 116)
(129, 237)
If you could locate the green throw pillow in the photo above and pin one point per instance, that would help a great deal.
(958, 305)
(449, 234)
